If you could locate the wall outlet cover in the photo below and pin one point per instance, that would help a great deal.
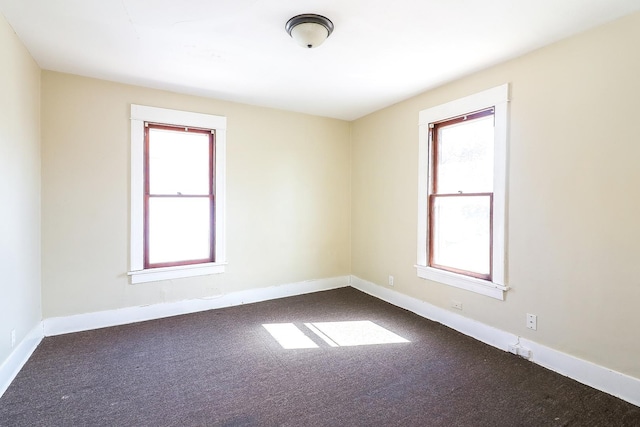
(532, 321)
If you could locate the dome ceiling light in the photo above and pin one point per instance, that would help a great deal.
(309, 30)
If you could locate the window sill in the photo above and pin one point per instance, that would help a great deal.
(177, 272)
(472, 284)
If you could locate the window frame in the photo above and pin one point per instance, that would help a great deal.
(140, 115)
(148, 195)
(496, 98)
(435, 193)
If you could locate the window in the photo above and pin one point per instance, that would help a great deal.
(462, 192)
(177, 194)
(461, 197)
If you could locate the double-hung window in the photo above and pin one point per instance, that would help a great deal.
(462, 193)
(461, 197)
(177, 194)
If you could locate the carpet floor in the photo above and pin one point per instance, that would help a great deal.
(333, 358)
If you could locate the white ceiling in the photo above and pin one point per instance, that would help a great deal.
(380, 52)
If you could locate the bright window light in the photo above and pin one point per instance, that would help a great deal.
(354, 333)
(289, 336)
(335, 334)
(319, 333)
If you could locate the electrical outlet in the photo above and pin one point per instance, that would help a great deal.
(390, 280)
(456, 304)
(13, 338)
(532, 321)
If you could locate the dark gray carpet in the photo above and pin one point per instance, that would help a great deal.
(222, 368)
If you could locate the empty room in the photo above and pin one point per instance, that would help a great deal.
(418, 213)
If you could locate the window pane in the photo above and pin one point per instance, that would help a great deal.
(461, 233)
(465, 157)
(178, 162)
(179, 229)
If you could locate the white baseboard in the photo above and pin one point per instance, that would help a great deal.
(16, 360)
(612, 382)
(102, 319)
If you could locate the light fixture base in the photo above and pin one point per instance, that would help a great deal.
(308, 29)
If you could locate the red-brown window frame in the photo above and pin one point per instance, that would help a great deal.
(148, 195)
(433, 194)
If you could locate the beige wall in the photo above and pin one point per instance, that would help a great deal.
(288, 197)
(573, 197)
(20, 307)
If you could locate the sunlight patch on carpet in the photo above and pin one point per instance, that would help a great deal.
(289, 336)
(363, 332)
(334, 334)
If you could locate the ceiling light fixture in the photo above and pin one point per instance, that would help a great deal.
(309, 30)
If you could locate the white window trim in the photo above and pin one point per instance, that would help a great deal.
(139, 115)
(497, 97)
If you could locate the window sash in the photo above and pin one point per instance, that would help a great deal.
(439, 183)
(148, 195)
(433, 229)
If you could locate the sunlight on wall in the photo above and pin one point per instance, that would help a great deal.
(335, 334)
